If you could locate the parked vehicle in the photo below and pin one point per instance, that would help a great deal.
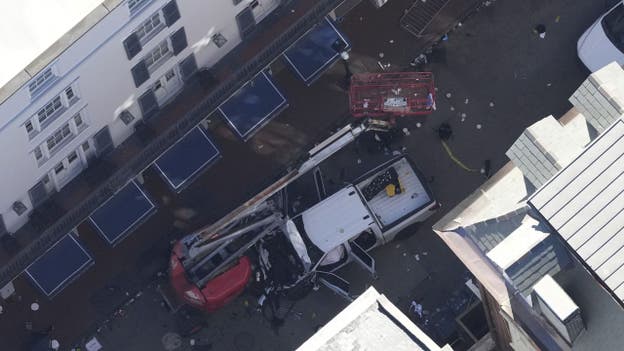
(302, 229)
(603, 42)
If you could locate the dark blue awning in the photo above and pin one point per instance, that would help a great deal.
(122, 213)
(315, 52)
(253, 105)
(58, 266)
(184, 161)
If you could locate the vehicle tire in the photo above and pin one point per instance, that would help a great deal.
(408, 232)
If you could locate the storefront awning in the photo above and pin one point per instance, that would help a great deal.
(184, 161)
(57, 267)
(315, 52)
(253, 105)
(122, 213)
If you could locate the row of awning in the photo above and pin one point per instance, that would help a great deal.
(246, 111)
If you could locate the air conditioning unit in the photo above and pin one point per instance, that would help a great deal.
(378, 3)
(555, 305)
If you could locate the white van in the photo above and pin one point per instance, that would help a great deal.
(603, 42)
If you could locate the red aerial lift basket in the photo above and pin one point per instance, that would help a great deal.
(391, 94)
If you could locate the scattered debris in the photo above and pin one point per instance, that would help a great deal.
(391, 41)
(1, 309)
(452, 108)
(540, 30)
(404, 254)
(479, 126)
(381, 65)
(425, 253)
(557, 19)
(34, 307)
(418, 125)
(397, 246)
(54, 344)
(359, 161)
(417, 257)
(445, 37)
(491, 104)
(416, 308)
(406, 131)
(466, 101)
(463, 117)
(419, 60)
(381, 55)
(448, 95)
(548, 84)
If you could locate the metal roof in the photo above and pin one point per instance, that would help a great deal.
(584, 203)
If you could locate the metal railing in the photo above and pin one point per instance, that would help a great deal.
(147, 156)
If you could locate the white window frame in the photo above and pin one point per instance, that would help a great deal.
(136, 5)
(157, 56)
(150, 27)
(67, 98)
(59, 138)
(41, 81)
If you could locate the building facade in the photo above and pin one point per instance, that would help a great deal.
(543, 236)
(84, 95)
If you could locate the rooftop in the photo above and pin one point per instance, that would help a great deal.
(487, 228)
(371, 322)
(41, 24)
(584, 203)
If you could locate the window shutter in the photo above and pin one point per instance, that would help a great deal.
(132, 45)
(103, 141)
(188, 67)
(171, 13)
(140, 73)
(148, 104)
(246, 22)
(178, 41)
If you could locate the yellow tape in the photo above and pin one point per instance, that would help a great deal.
(458, 162)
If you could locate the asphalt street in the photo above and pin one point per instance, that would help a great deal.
(500, 78)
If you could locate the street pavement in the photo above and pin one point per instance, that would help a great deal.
(499, 74)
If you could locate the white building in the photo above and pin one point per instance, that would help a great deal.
(78, 75)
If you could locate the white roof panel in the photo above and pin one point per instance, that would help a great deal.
(584, 202)
(336, 219)
(555, 297)
(32, 26)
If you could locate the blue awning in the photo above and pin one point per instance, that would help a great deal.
(253, 105)
(122, 213)
(315, 52)
(58, 266)
(184, 161)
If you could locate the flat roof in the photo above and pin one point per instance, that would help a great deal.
(584, 203)
(371, 323)
(46, 29)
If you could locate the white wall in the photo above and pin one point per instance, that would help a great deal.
(97, 67)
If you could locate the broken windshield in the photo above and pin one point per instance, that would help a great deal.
(613, 25)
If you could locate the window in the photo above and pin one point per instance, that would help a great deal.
(149, 28)
(29, 127)
(49, 109)
(78, 121)
(136, 5)
(58, 137)
(59, 168)
(85, 146)
(157, 55)
(613, 26)
(69, 93)
(37, 153)
(40, 80)
(72, 157)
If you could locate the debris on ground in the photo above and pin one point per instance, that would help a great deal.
(479, 126)
(466, 101)
(418, 125)
(491, 104)
(381, 55)
(448, 95)
(463, 117)
(417, 257)
(416, 308)
(540, 30)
